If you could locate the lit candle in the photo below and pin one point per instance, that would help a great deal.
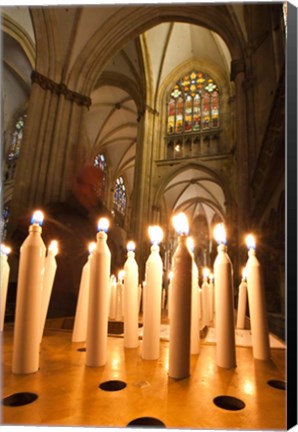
(224, 308)
(152, 297)
(5, 270)
(119, 296)
(211, 297)
(26, 339)
(257, 304)
(97, 326)
(242, 296)
(113, 284)
(48, 280)
(79, 333)
(180, 325)
(195, 306)
(205, 297)
(131, 313)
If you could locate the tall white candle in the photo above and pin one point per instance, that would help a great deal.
(97, 326)
(119, 297)
(257, 304)
(195, 318)
(48, 280)
(211, 297)
(205, 297)
(180, 325)
(224, 320)
(131, 314)
(25, 358)
(152, 297)
(113, 285)
(169, 293)
(242, 297)
(5, 271)
(79, 333)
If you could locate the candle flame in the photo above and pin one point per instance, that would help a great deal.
(220, 233)
(244, 272)
(250, 241)
(180, 223)
(190, 243)
(131, 246)
(155, 234)
(121, 275)
(171, 274)
(37, 218)
(211, 277)
(91, 247)
(103, 224)
(206, 272)
(54, 247)
(5, 249)
(113, 279)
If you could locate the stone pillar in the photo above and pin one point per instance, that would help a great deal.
(46, 164)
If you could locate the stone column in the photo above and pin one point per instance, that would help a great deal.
(46, 164)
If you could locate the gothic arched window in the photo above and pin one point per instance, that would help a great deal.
(101, 163)
(17, 136)
(119, 198)
(193, 104)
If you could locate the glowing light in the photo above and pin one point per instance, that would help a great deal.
(91, 247)
(180, 223)
(190, 243)
(244, 272)
(155, 234)
(121, 275)
(54, 247)
(37, 218)
(103, 224)
(211, 277)
(206, 272)
(250, 241)
(131, 246)
(220, 233)
(5, 249)
(170, 276)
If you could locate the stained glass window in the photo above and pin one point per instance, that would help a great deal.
(193, 104)
(17, 136)
(119, 198)
(100, 163)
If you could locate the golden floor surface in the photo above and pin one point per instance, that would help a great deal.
(69, 394)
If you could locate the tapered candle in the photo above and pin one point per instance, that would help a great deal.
(224, 319)
(119, 296)
(131, 314)
(195, 318)
(5, 270)
(242, 297)
(180, 325)
(211, 297)
(205, 297)
(169, 293)
(25, 358)
(97, 326)
(152, 297)
(113, 285)
(48, 280)
(79, 333)
(257, 304)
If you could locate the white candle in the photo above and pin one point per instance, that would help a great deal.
(79, 333)
(211, 297)
(131, 314)
(5, 270)
(25, 358)
(119, 297)
(242, 296)
(180, 325)
(169, 294)
(152, 297)
(113, 285)
(48, 280)
(205, 298)
(224, 320)
(257, 304)
(195, 318)
(97, 326)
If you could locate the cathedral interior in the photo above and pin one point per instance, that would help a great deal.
(136, 112)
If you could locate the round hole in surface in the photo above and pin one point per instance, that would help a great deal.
(81, 349)
(19, 399)
(278, 384)
(112, 385)
(229, 403)
(147, 422)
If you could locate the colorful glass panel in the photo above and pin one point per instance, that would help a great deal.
(171, 115)
(188, 114)
(206, 111)
(197, 113)
(119, 198)
(214, 109)
(179, 114)
(17, 137)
